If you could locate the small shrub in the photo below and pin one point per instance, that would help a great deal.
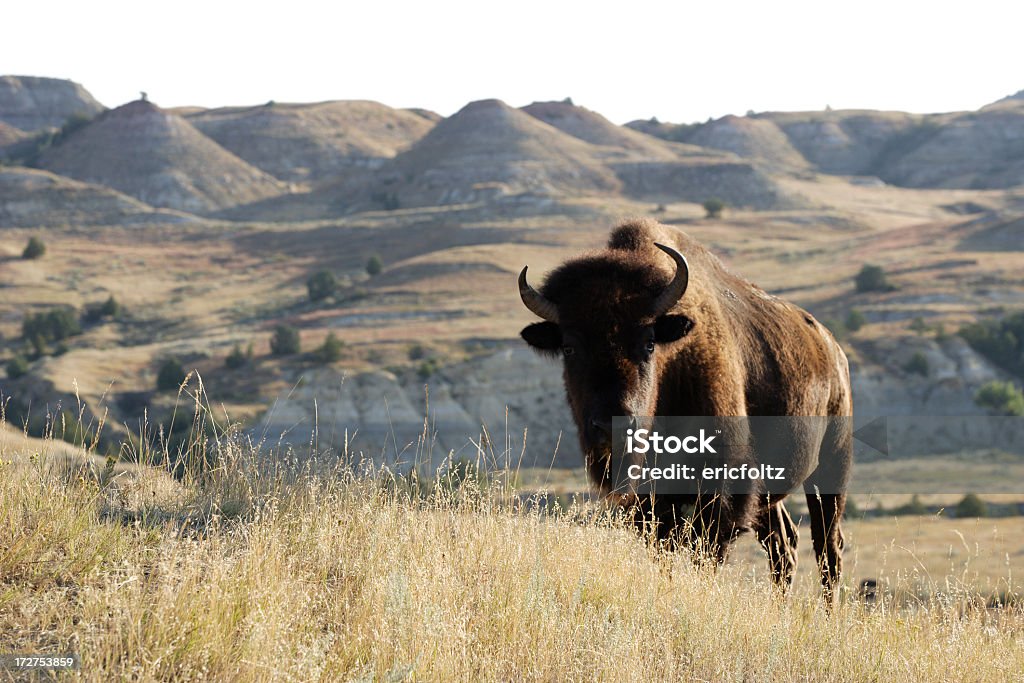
(1001, 341)
(96, 312)
(713, 208)
(321, 285)
(51, 326)
(236, 359)
(918, 325)
(17, 367)
(285, 341)
(914, 507)
(855, 320)
(1001, 398)
(330, 350)
(374, 266)
(971, 506)
(34, 249)
(427, 368)
(417, 352)
(918, 364)
(170, 376)
(872, 279)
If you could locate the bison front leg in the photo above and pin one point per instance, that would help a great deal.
(826, 513)
(778, 536)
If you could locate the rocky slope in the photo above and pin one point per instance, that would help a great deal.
(591, 127)
(34, 198)
(750, 138)
(984, 149)
(31, 103)
(159, 158)
(312, 142)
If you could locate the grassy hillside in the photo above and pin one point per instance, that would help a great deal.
(270, 572)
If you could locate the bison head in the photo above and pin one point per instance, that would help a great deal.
(610, 317)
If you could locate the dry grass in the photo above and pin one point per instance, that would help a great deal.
(287, 572)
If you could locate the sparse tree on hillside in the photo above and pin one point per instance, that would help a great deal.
(17, 367)
(713, 208)
(374, 266)
(330, 350)
(34, 249)
(971, 506)
(286, 341)
(236, 359)
(855, 320)
(170, 376)
(1001, 398)
(321, 285)
(872, 278)
(918, 364)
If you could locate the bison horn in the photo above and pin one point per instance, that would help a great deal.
(675, 289)
(535, 301)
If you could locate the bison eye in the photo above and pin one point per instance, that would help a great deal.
(649, 347)
(568, 350)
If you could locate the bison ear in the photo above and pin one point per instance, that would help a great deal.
(544, 337)
(670, 328)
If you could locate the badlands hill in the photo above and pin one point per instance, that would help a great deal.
(489, 151)
(312, 142)
(489, 148)
(31, 103)
(591, 127)
(159, 158)
(32, 198)
(982, 149)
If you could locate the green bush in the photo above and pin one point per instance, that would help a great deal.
(855, 320)
(17, 367)
(285, 341)
(34, 249)
(374, 266)
(914, 507)
(427, 368)
(51, 326)
(918, 325)
(330, 350)
(872, 279)
(1001, 341)
(713, 207)
(236, 359)
(96, 312)
(971, 506)
(1001, 398)
(170, 376)
(321, 285)
(918, 364)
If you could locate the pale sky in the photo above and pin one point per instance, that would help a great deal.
(679, 61)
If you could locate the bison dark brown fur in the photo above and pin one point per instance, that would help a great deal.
(724, 348)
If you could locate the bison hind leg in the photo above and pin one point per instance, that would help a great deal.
(778, 535)
(826, 512)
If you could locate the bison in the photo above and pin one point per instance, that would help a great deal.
(656, 325)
